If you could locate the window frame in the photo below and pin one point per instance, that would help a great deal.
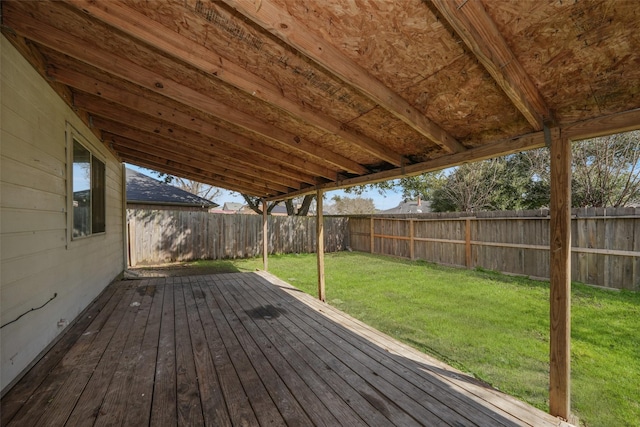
(73, 137)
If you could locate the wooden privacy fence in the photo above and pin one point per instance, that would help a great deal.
(158, 236)
(605, 248)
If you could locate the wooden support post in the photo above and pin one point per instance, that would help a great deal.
(467, 243)
(411, 235)
(372, 228)
(265, 237)
(560, 273)
(320, 245)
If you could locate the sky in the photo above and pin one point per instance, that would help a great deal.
(388, 200)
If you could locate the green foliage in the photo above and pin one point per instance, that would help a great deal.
(351, 206)
(494, 326)
(606, 173)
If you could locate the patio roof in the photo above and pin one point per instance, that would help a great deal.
(278, 98)
(251, 350)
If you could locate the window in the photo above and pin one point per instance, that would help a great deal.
(88, 184)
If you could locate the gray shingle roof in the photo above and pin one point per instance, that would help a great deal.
(146, 190)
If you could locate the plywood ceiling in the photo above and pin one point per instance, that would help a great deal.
(276, 98)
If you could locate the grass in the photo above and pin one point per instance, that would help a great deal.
(492, 326)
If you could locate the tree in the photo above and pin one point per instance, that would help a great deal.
(469, 187)
(205, 191)
(295, 207)
(352, 206)
(606, 172)
(200, 189)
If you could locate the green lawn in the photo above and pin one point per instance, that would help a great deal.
(492, 326)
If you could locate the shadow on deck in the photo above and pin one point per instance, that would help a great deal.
(243, 349)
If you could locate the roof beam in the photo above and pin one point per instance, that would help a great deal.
(498, 148)
(160, 164)
(229, 142)
(186, 137)
(475, 27)
(36, 28)
(215, 168)
(156, 35)
(253, 167)
(278, 22)
(603, 126)
(599, 126)
(205, 161)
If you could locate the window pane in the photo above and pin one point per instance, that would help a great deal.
(97, 196)
(81, 190)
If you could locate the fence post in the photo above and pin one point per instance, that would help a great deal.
(467, 246)
(411, 250)
(320, 244)
(265, 237)
(371, 234)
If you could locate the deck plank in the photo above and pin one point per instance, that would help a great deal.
(138, 410)
(163, 406)
(25, 389)
(52, 381)
(189, 405)
(113, 408)
(433, 397)
(263, 406)
(244, 349)
(355, 390)
(289, 408)
(315, 374)
(383, 396)
(287, 368)
(482, 396)
(84, 389)
(214, 408)
(236, 400)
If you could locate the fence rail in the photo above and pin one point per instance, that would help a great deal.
(158, 236)
(605, 252)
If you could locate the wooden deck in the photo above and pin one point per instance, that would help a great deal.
(243, 349)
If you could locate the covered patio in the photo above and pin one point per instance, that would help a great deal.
(274, 99)
(243, 349)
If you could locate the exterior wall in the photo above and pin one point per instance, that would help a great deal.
(38, 258)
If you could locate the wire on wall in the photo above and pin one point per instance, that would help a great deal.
(27, 312)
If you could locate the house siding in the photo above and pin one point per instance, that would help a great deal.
(37, 258)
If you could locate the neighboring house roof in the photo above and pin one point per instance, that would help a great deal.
(146, 190)
(232, 206)
(409, 207)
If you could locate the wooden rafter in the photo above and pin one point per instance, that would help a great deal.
(137, 120)
(499, 148)
(475, 27)
(258, 166)
(602, 126)
(171, 166)
(249, 161)
(278, 22)
(69, 44)
(184, 49)
(219, 140)
(214, 168)
(204, 161)
(606, 125)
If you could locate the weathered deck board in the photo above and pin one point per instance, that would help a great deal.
(243, 349)
(54, 367)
